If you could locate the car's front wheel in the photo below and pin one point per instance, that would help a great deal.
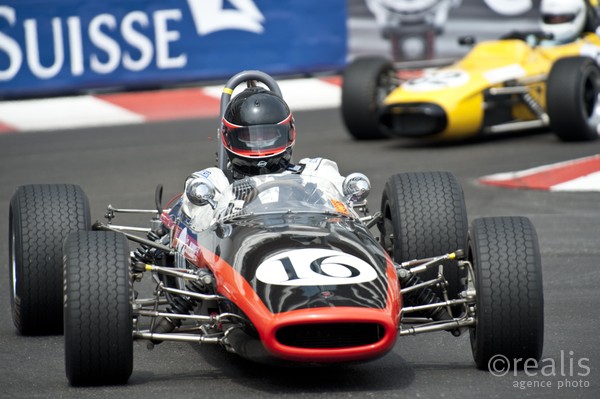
(509, 309)
(366, 83)
(97, 309)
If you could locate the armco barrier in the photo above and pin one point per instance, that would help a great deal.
(52, 47)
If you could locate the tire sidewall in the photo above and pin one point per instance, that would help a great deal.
(570, 118)
(15, 260)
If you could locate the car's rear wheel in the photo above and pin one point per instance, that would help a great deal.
(425, 216)
(40, 217)
(366, 83)
(510, 303)
(572, 91)
(98, 311)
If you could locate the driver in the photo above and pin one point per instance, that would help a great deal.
(564, 20)
(258, 134)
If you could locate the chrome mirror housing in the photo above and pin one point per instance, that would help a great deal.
(200, 191)
(356, 187)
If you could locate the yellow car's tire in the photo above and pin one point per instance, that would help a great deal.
(366, 83)
(572, 93)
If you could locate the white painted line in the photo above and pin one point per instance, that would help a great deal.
(313, 93)
(590, 182)
(64, 113)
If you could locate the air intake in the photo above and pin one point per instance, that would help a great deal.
(330, 335)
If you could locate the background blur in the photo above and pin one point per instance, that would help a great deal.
(54, 47)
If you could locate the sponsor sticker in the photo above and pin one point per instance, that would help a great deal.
(438, 80)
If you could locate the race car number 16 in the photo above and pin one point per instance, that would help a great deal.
(310, 267)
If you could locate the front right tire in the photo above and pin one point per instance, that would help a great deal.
(509, 326)
(98, 312)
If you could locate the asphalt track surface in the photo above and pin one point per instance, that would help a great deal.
(122, 165)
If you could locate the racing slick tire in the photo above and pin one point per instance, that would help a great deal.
(97, 311)
(366, 83)
(40, 217)
(572, 93)
(509, 325)
(425, 216)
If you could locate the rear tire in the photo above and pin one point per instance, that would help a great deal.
(98, 312)
(425, 216)
(40, 217)
(572, 93)
(366, 83)
(510, 303)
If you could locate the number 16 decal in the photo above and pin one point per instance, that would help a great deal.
(310, 267)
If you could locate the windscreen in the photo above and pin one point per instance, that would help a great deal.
(288, 193)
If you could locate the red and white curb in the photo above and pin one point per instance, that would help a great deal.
(140, 107)
(581, 174)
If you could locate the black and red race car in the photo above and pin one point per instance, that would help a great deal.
(296, 277)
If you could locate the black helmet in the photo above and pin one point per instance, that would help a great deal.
(258, 133)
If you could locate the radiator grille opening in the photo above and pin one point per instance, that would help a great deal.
(330, 335)
(414, 120)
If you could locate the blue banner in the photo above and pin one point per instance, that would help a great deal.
(61, 46)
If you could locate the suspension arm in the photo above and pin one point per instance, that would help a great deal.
(132, 237)
(208, 319)
(451, 302)
(450, 325)
(196, 338)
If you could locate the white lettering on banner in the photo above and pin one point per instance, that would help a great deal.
(105, 54)
(10, 46)
(209, 16)
(75, 46)
(33, 53)
(137, 40)
(164, 37)
(104, 42)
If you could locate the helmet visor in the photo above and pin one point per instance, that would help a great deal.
(258, 140)
(554, 19)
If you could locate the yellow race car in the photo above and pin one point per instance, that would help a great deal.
(512, 84)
